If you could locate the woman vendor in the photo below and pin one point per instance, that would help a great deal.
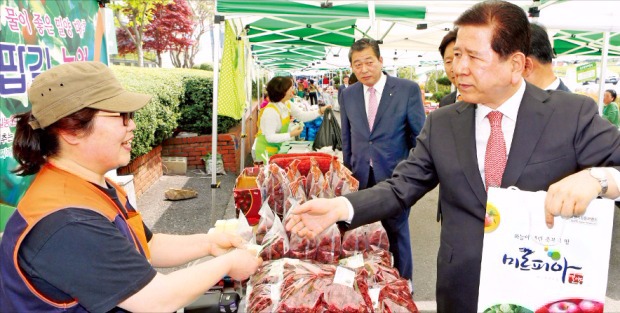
(75, 243)
(274, 121)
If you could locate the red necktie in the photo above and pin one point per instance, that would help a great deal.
(372, 107)
(495, 156)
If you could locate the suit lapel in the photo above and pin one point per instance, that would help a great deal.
(463, 130)
(359, 112)
(532, 118)
(386, 98)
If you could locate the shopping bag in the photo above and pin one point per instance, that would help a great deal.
(329, 135)
(528, 267)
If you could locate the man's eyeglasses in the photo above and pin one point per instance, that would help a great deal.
(127, 116)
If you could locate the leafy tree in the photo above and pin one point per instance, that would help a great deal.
(170, 29)
(203, 22)
(407, 72)
(133, 16)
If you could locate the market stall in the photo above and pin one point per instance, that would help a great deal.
(339, 271)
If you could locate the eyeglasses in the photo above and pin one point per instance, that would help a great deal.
(127, 116)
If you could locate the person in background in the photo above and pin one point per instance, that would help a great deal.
(446, 49)
(273, 128)
(506, 132)
(265, 101)
(342, 87)
(610, 110)
(75, 243)
(313, 92)
(538, 65)
(380, 119)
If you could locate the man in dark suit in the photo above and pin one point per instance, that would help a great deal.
(342, 87)
(446, 49)
(380, 119)
(574, 162)
(538, 66)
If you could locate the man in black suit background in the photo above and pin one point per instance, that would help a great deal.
(446, 49)
(538, 65)
(342, 87)
(574, 162)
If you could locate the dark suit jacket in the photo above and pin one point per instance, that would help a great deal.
(448, 99)
(563, 87)
(398, 122)
(545, 148)
(341, 88)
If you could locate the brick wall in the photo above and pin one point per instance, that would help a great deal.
(146, 170)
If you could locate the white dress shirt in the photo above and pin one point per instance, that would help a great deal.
(379, 86)
(554, 85)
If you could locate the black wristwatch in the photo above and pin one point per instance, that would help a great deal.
(600, 175)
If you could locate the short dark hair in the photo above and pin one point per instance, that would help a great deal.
(447, 39)
(277, 88)
(363, 44)
(511, 28)
(540, 46)
(612, 93)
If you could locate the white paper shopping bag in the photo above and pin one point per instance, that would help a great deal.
(527, 267)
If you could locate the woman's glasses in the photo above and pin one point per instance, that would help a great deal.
(127, 116)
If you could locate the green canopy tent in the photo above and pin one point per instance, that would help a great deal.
(573, 42)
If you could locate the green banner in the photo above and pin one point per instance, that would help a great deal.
(586, 72)
(36, 35)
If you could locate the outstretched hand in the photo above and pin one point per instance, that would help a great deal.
(314, 216)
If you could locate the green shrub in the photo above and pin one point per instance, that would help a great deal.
(444, 81)
(157, 121)
(440, 94)
(196, 108)
(204, 67)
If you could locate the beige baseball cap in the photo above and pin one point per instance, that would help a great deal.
(70, 87)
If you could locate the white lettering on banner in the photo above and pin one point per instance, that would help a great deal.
(43, 23)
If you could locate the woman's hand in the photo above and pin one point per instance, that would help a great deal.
(296, 131)
(323, 108)
(220, 243)
(242, 264)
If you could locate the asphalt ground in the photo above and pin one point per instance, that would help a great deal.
(200, 213)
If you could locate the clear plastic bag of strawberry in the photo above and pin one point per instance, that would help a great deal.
(329, 245)
(278, 244)
(277, 189)
(305, 295)
(348, 185)
(396, 297)
(298, 193)
(354, 241)
(270, 272)
(265, 222)
(341, 298)
(377, 236)
(315, 180)
(302, 248)
(260, 299)
(292, 173)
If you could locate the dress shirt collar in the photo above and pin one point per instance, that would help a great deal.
(554, 85)
(378, 86)
(510, 108)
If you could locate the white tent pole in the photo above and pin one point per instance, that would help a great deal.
(216, 78)
(601, 84)
(248, 103)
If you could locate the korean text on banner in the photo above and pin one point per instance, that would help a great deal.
(527, 266)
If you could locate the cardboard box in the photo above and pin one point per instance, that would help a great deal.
(174, 165)
(247, 195)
